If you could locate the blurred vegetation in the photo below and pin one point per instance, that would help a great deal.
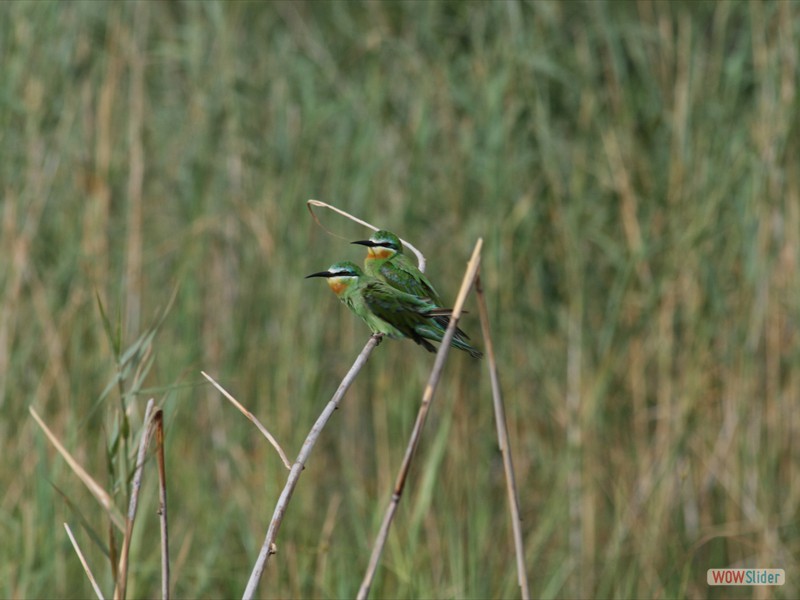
(633, 169)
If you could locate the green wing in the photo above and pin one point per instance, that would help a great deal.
(403, 311)
(401, 273)
(416, 318)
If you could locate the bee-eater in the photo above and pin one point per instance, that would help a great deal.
(386, 261)
(389, 311)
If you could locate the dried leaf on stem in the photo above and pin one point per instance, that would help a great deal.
(86, 568)
(97, 491)
(252, 418)
(319, 203)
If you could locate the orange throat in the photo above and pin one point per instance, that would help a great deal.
(337, 285)
(378, 252)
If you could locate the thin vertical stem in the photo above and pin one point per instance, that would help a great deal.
(158, 422)
(122, 574)
(503, 441)
(413, 442)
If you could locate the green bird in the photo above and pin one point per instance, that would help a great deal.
(385, 260)
(389, 311)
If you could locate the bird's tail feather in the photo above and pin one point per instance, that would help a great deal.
(436, 334)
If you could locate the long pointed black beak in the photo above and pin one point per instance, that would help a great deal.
(320, 274)
(368, 243)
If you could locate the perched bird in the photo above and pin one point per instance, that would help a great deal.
(389, 311)
(386, 261)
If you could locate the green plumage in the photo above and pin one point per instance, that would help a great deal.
(387, 262)
(389, 311)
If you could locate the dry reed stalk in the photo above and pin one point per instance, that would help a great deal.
(96, 490)
(136, 39)
(15, 244)
(503, 441)
(86, 568)
(269, 547)
(122, 573)
(427, 397)
(158, 423)
(325, 536)
(252, 419)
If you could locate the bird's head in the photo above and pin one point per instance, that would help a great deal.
(340, 275)
(383, 244)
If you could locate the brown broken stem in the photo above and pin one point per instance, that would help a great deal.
(158, 423)
(122, 573)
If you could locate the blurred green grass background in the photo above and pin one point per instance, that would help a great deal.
(633, 170)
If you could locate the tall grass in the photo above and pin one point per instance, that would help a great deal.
(633, 171)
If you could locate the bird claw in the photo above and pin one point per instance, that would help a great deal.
(378, 338)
